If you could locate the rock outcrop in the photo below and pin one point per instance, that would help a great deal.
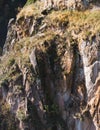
(69, 4)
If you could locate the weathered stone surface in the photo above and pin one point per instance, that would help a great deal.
(69, 4)
(91, 61)
(33, 60)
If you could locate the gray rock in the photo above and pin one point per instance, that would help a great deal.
(33, 60)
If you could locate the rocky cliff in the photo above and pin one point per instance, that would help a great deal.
(50, 68)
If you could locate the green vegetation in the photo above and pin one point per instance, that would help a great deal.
(21, 114)
(11, 62)
(51, 109)
(30, 2)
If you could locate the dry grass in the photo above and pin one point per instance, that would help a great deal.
(31, 10)
(85, 23)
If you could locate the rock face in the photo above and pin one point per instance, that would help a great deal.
(91, 61)
(50, 70)
(69, 4)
